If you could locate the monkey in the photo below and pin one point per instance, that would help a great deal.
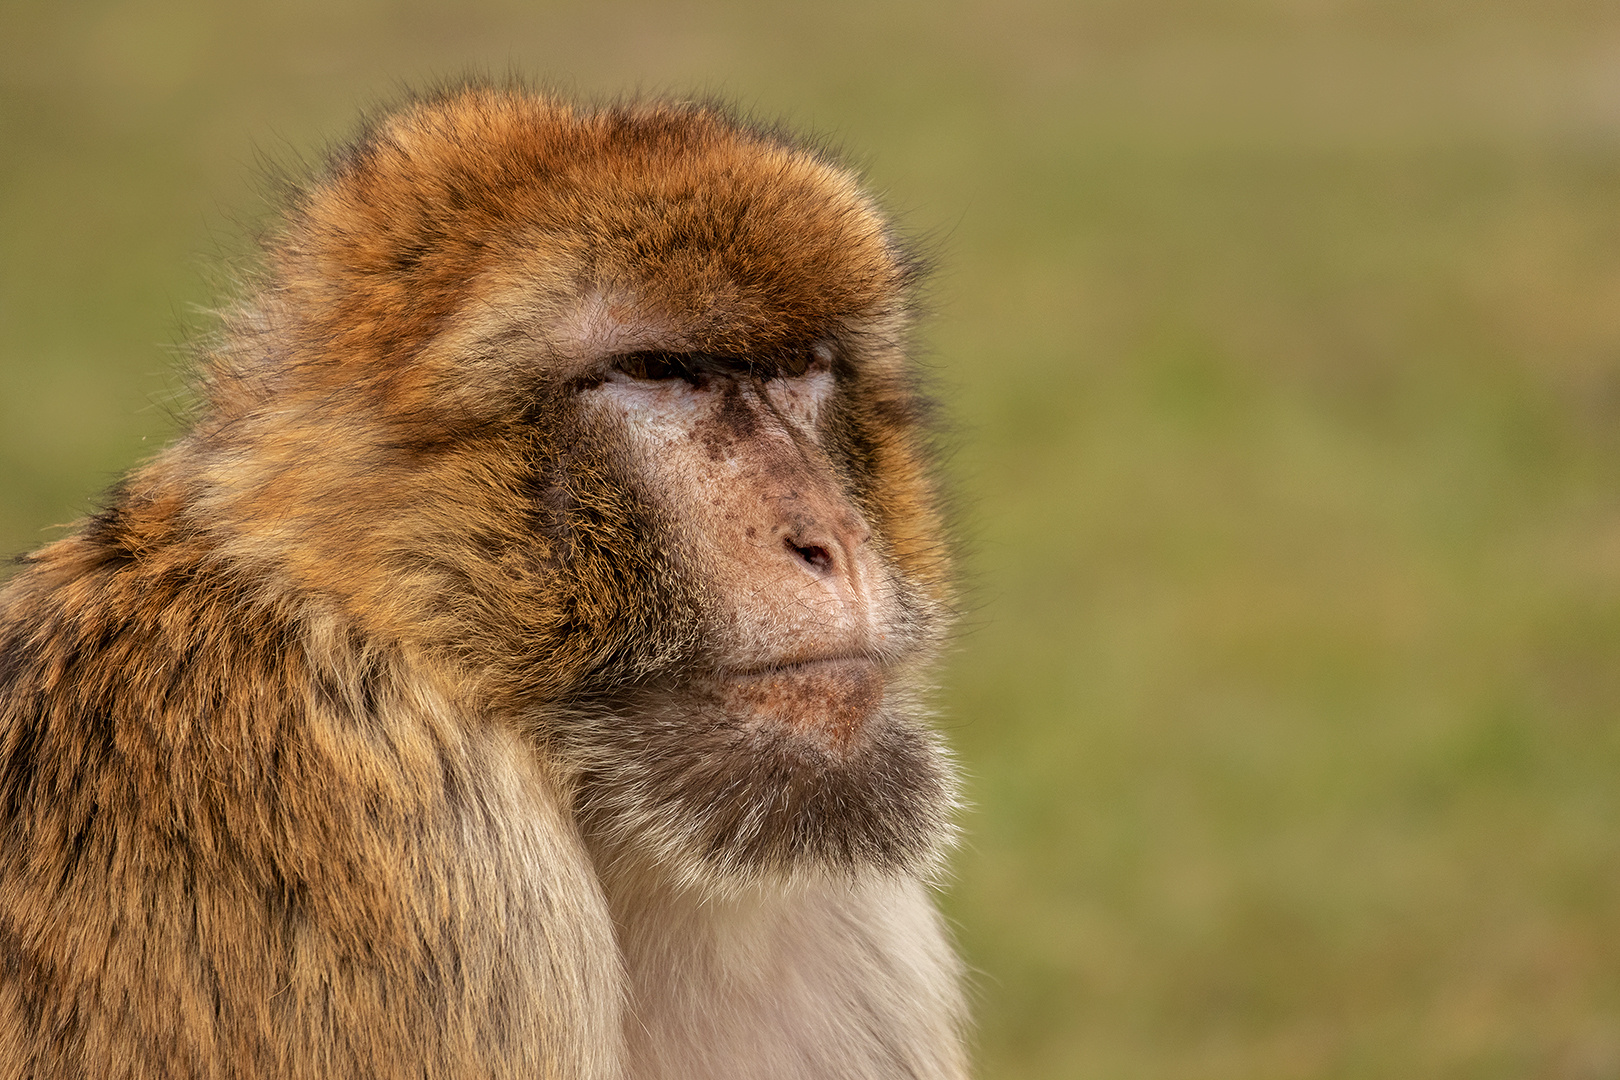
(518, 666)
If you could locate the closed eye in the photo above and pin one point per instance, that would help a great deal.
(805, 362)
(696, 367)
(658, 366)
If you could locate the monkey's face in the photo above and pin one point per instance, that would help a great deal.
(787, 739)
(732, 453)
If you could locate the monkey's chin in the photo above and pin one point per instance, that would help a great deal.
(810, 769)
(826, 703)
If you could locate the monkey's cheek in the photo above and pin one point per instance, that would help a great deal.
(827, 702)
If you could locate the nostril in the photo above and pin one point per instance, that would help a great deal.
(814, 555)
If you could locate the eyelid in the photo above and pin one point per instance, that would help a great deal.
(816, 359)
(658, 366)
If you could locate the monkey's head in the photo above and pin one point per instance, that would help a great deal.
(608, 414)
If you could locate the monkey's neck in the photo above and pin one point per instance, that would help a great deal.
(822, 979)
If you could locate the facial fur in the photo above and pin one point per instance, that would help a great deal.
(789, 741)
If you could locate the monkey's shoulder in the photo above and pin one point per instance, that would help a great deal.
(199, 793)
(187, 706)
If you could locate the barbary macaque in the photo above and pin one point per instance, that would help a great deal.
(517, 668)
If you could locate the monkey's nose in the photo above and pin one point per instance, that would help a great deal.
(826, 550)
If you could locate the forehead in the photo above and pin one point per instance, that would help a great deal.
(634, 226)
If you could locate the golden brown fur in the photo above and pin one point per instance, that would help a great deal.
(473, 693)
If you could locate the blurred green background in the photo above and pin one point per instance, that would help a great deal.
(1284, 341)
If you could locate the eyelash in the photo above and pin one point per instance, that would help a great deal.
(656, 367)
(693, 367)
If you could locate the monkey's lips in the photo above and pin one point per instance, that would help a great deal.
(827, 701)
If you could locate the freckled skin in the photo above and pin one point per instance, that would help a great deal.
(824, 703)
(741, 466)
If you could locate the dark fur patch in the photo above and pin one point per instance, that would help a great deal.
(683, 780)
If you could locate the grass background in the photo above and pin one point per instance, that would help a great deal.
(1284, 337)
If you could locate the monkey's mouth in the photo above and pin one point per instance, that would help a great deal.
(827, 700)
